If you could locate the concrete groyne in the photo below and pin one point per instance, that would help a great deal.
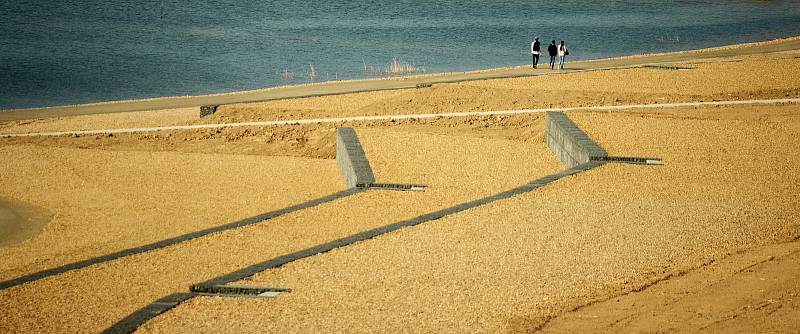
(568, 142)
(351, 159)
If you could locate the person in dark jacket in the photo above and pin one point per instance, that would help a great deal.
(552, 49)
(535, 51)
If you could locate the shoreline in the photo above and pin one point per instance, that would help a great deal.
(390, 83)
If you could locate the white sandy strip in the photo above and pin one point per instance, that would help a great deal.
(401, 117)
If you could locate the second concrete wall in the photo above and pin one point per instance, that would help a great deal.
(351, 158)
(568, 142)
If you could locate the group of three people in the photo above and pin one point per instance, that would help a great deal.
(553, 50)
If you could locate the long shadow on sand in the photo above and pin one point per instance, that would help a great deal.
(174, 240)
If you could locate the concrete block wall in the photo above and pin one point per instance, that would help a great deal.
(208, 110)
(351, 158)
(568, 142)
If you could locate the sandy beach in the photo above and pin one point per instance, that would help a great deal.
(706, 242)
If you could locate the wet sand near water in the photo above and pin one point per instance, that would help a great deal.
(19, 221)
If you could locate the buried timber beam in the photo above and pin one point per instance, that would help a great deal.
(630, 160)
(392, 186)
(256, 291)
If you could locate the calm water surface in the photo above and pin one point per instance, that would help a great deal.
(66, 52)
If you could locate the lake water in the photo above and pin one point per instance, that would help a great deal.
(79, 51)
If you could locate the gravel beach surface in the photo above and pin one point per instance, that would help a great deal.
(728, 188)
(749, 292)
(396, 157)
(105, 200)
(512, 264)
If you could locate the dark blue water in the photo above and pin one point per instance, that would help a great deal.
(78, 51)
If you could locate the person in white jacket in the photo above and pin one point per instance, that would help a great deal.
(535, 51)
(562, 52)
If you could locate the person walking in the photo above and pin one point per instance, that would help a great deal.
(535, 51)
(562, 52)
(553, 51)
